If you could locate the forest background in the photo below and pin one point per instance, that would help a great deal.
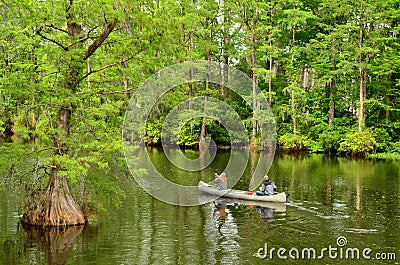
(330, 70)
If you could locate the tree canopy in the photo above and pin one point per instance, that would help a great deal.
(330, 69)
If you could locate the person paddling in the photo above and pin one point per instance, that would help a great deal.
(267, 188)
(221, 181)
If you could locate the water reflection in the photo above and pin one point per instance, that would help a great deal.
(55, 242)
(266, 213)
(329, 198)
(221, 234)
(266, 210)
(220, 214)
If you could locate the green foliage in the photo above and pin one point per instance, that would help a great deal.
(304, 55)
(316, 147)
(394, 147)
(393, 129)
(189, 134)
(23, 171)
(385, 156)
(331, 138)
(153, 131)
(293, 142)
(383, 139)
(73, 167)
(219, 134)
(315, 131)
(98, 189)
(359, 143)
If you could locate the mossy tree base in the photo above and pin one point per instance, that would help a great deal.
(55, 207)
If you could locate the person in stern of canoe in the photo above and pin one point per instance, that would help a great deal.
(220, 180)
(267, 188)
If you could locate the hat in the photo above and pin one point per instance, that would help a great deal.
(266, 177)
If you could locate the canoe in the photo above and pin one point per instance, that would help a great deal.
(277, 207)
(240, 194)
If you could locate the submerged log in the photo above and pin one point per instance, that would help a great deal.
(55, 207)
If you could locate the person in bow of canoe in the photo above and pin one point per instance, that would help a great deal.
(220, 180)
(267, 188)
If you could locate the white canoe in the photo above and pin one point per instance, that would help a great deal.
(240, 194)
(277, 207)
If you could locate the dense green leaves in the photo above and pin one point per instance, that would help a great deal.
(293, 142)
(358, 143)
(321, 64)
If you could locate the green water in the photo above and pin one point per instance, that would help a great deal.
(330, 198)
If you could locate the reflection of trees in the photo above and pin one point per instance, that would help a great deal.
(356, 171)
(329, 190)
(260, 165)
(221, 245)
(358, 194)
(55, 242)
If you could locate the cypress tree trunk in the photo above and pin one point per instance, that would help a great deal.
(331, 113)
(362, 87)
(56, 206)
(225, 53)
(293, 104)
(203, 123)
(253, 72)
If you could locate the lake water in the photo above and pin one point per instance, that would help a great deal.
(338, 207)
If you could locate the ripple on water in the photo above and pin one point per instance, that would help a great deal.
(316, 211)
(361, 231)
